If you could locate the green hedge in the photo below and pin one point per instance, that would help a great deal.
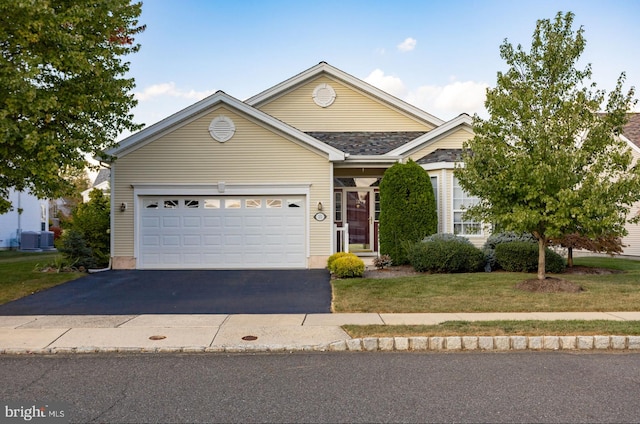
(446, 255)
(522, 256)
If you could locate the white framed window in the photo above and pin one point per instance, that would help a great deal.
(212, 203)
(338, 206)
(461, 202)
(274, 203)
(232, 203)
(191, 204)
(171, 204)
(253, 203)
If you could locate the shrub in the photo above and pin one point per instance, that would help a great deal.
(333, 258)
(522, 256)
(494, 240)
(348, 266)
(383, 261)
(92, 221)
(57, 232)
(446, 254)
(75, 250)
(407, 209)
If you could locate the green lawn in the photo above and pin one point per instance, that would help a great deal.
(19, 278)
(491, 292)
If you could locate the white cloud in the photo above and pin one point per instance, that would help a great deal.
(444, 101)
(452, 99)
(390, 84)
(407, 45)
(169, 89)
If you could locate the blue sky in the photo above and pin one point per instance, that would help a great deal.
(437, 55)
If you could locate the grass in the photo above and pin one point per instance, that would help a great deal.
(499, 328)
(19, 278)
(491, 292)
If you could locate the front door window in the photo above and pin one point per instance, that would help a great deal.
(359, 220)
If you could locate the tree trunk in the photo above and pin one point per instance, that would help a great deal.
(542, 244)
(570, 257)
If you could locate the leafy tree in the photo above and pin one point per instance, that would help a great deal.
(407, 209)
(545, 162)
(63, 91)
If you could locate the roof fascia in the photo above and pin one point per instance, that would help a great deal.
(368, 160)
(324, 67)
(192, 112)
(631, 144)
(460, 121)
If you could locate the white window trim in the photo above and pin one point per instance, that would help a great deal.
(453, 211)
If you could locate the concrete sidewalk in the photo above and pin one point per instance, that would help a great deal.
(48, 334)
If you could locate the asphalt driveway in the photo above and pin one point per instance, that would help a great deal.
(124, 292)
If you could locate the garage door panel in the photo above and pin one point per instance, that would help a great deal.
(210, 232)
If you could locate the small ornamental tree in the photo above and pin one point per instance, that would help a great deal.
(603, 244)
(545, 162)
(407, 209)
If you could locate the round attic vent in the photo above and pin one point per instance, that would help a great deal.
(324, 95)
(222, 128)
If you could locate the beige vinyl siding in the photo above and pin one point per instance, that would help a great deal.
(352, 110)
(453, 140)
(632, 240)
(255, 155)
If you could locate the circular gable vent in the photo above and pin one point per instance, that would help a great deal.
(324, 95)
(222, 128)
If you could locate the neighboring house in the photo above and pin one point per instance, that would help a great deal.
(28, 214)
(281, 180)
(631, 134)
(101, 182)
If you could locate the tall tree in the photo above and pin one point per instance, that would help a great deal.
(545, 162)
(63, 88)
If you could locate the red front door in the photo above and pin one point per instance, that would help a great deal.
(359, 219)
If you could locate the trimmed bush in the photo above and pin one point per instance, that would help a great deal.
(407, 209)
(446, 255)
(333, 258)
(382, 262)
(522, 256)
(348, 266)
(494, 240)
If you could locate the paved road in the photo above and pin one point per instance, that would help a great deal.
(346, 387)
(183, 292)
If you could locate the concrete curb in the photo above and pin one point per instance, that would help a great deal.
(386, 344)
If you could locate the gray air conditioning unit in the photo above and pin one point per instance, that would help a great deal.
(46, 241)
(29, 241)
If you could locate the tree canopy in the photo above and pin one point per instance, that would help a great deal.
(546, 162)
(64, 93)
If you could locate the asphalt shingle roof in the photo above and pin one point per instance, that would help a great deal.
(441, 155)
(366, 142)
(632, 129)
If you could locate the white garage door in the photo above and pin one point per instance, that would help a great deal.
(222, 232)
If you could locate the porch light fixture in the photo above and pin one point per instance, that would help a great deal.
(319, 206)
(123, 207)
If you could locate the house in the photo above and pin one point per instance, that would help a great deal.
(101, 182)
(280, 180)
(28, 214)
(631, 134)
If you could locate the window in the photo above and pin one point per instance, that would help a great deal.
(294, 203)
(376, 198)
(233, 203)
(461, 202)
(338, 206)
(274, 203)
(151, 204)
(253, 203)
(191, 204)
(212, 203)
(171, 204)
